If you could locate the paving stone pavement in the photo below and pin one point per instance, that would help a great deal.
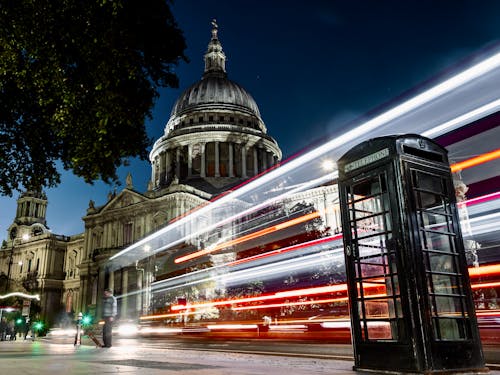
(46, 358)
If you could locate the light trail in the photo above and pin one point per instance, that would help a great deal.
(22, 295)
(466, 118)
(289, 304)
(285, 250)
(278, 295)
(249, 237)
(493, 269)
(472, 162)
(206, 275)
(358, 134)
(481, 199)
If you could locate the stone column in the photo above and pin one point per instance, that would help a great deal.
(243, 161)
(153, 172)
(255, 162)
(139, 299)
(217, 161)
(124, 299)
(168, 161)
(231, 166)
(161, 169)
(264, 159)
(203, 167)
(190, 160)
(111, 280)
(178, 162)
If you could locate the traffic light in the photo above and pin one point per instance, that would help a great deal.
(38, 326)
(87, 319)
(19, 321)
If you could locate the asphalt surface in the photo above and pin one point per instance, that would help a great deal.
(178, 355)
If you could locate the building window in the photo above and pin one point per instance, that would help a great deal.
(29, 265)
(200, 119)
(210, 118)
(127, 233)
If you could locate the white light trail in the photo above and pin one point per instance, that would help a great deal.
(466, 118)
(381, 123)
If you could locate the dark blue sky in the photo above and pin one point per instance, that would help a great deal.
(312, 66)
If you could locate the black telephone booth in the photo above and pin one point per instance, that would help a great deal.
(410, 298)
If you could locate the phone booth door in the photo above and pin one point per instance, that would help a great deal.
(449, 319)
(378, 304)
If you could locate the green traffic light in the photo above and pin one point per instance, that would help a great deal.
(38, 325)
(19, 321)
(87, 319)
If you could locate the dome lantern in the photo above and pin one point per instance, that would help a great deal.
(215, 59)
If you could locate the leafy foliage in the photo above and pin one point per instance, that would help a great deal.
(78, 79)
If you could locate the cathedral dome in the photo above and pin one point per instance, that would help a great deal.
(215, 91)
(215, 137)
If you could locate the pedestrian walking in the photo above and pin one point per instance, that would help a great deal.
(3, 329)
(13, 331)
(109, 311)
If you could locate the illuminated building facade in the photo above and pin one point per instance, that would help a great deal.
(214, 140)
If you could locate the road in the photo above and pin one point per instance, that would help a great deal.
(288, 348)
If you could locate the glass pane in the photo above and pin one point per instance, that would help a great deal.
(373, 246)
(448, 306)
(375, 266)
(370, 226)
(431, 201)
(380, 308)
(430, 182)
(441, 263)
(368, 206)
(378, 286)
(379, 331)
(367, 187)
(438, 241)
(445, 284)
(449, 329)
(436, 222)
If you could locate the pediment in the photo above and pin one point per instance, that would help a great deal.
(124, 199)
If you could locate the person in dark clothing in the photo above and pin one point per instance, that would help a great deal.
(3, 329)
(109, 311)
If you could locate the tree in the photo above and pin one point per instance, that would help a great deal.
(78, 80)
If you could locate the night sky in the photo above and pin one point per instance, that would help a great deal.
(312, 67)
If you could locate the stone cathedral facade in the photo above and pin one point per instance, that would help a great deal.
(214, 140)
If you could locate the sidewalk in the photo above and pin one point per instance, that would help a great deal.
(45, 358)
(42, 357)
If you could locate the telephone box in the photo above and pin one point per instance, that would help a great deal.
(410, 298)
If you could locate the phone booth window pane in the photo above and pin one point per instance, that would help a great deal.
(439, 262)
(374, 245)
(430, 182)
(372, 225)
(438, 241)
(436, 222)
(380, 308)
(448, 306)
(380, 330)
(445, 284)
(431, 201)
(449, 329)
(375, 266)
